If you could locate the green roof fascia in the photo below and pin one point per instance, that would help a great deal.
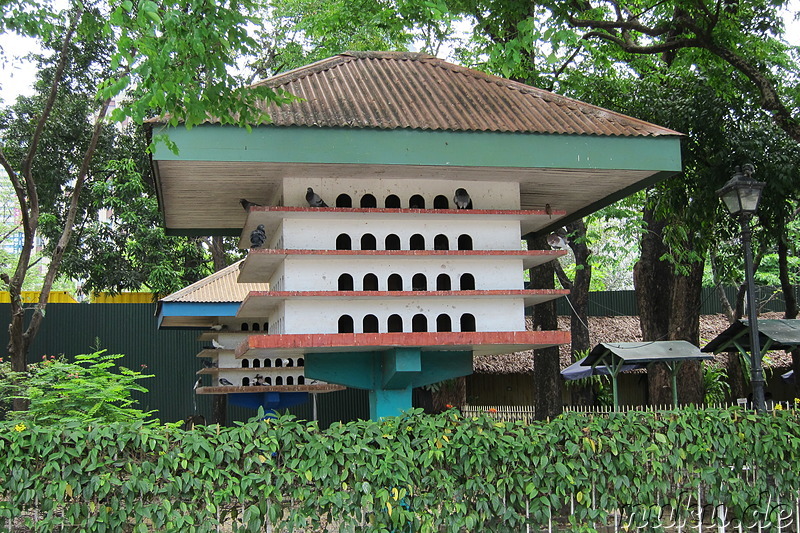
(274, 144)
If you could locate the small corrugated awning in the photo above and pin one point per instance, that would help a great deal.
(615, 355)
(201, 304)
(775, 334)
(645, 352)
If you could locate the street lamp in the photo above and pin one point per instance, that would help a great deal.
(741, 196)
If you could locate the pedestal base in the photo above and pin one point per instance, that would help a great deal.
(389, 375)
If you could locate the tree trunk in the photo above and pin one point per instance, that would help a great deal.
(685, 325)
(220, 401)
(219, 409)
(547, 364)
(217, 248)
(652, 280)
(451, 392)
(790, 304)
(737, 379)
(579, 292)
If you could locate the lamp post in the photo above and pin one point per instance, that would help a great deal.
(741, 196)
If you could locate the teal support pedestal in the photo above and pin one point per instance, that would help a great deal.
(389, 375)
(388, 402)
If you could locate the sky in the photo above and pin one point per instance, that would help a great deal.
(17, 75)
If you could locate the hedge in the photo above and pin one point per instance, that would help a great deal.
(411, 473)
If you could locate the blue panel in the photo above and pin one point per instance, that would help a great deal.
(199, 308)
(267, 400)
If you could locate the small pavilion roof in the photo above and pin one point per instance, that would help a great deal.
(201, 304)
(646, 352)
(221, 286)
(774, 334)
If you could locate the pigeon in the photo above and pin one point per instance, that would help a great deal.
(257, 237)
(247, 204)
(216, 344)
(258, 381)
(219, 327)
(224, 382)
(198, 383)
(209, 364)
(462, 199)
(558, 239)
(314, 200)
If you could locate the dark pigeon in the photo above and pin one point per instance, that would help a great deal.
(462, 199)
(258, 236)
(209, 364)
(247, 204)
(225, 382)
(314, 200)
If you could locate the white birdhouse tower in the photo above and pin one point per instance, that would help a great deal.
(392, 285)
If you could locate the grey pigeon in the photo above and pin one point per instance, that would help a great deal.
(225, 382)
(314, 200)
(558, 239)
(219, 327)
(198, 383)
(209, 364)
(259, 380)
(462, 199)
(258, 236)
(246, 204)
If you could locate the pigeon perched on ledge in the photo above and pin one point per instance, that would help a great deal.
(313, 199)
(258, 236)
(246, 204)
(224, 382)
(462, 199)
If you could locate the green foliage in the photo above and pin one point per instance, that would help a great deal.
(92, 389)
(414, 472)
(715, 384)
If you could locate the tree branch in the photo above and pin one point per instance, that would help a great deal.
(563, 279)
(63, 241)
(645, 49)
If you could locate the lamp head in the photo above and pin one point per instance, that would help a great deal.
(741, 194)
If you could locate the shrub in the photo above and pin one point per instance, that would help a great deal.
(90, 389)
(414, 472)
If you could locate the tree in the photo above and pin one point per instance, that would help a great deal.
(742, 35)
(169, 59)
(303, 31)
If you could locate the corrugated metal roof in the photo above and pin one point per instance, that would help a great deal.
(781, 334)
(395, 90)
(646, 352)
(220, 286)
